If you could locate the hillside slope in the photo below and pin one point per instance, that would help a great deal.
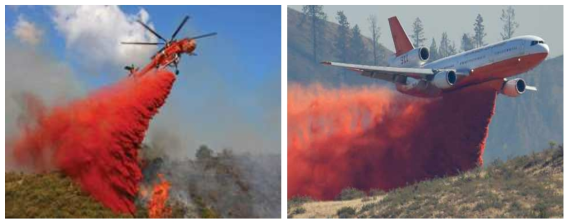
(50, 195)
(526, 123)
(302, 68)
(526, 186)
(236, 186)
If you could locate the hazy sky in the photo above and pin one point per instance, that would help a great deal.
(543, 21)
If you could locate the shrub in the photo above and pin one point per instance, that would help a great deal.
(298, 210)
(346, 212)
(540, 211)
(376, 192)
(480, 207)
(515, 206)
(367, 207)
(350, 193)
(299, 200)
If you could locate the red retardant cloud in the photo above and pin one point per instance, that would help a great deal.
(372, 137)
(95, 140)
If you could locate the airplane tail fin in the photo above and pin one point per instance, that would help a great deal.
(401, 41)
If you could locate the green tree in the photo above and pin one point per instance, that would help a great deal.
(509, 23)
(343, 37)
(204, 152)
(445, 46)
(467, 42)
(375, 32)
(479, 30)
(434, 54)
(357, 49)
(452, 49)
(418, 35)
(317, 24)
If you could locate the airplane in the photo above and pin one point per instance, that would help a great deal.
(411, 74)
(170, 53)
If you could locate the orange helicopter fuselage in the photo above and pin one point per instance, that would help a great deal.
(170, 54)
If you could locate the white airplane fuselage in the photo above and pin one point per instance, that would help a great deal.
(488, 66)
(496, 61)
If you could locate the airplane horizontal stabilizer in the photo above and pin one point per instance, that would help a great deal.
(532, 88)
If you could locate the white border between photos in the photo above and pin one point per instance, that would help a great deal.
(284, 84)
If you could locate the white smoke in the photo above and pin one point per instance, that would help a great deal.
(95, 33)
(50, 80)
(27, 32)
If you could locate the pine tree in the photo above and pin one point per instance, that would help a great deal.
(434, 54)
(357, 46)
(375, 32)
(343, 37)
(479, 30)
(452, 49)
(444, 49)
(509, 23)
(467, 42)
(318, 22)
(418, 35)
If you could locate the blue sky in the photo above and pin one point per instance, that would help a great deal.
(227, 97)
(252, 30)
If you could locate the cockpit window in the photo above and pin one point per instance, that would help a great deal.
(535, 42)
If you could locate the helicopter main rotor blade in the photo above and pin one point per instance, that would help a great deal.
(142, 43)
(204, 35)
(179, 27)
(152, 31)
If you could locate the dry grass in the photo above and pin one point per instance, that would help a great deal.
(50, 195)
(330, 208)
(524, 187)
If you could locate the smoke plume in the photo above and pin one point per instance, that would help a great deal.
(224, 183)
(51, 81)
(372, 137)
(95, 140)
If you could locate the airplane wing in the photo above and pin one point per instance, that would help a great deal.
(385, 73)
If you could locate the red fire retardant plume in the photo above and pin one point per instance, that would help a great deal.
(95, 140)
(372, 137)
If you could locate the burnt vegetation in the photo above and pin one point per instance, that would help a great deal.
(211, 185)
(220, 184)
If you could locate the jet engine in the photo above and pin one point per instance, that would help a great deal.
(514, 87)
(414, 58)
(444, 79)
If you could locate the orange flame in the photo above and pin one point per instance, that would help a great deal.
(157, 205)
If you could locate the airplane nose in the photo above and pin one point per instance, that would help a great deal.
(542, 49)
(546, 48)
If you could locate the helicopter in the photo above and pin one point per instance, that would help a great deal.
(170, 53)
